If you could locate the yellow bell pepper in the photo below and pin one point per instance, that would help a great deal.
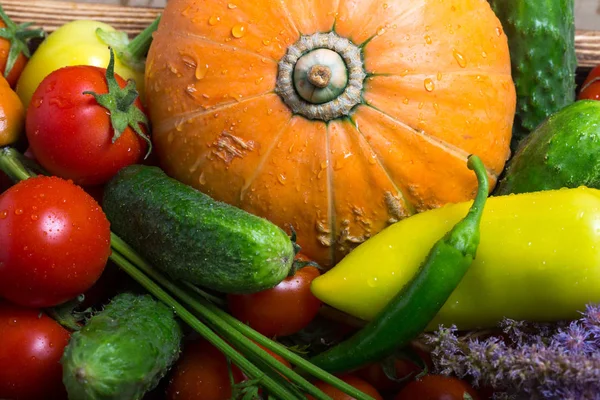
(538, 259)
(86, 42)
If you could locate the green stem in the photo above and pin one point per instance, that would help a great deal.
(210, 312)
(11, 164)
(139, 45)
(250, 369)
(223, 327)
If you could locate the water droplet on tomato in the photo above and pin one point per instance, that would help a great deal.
(460, 59)
(3, 214)
(18, 211)
(429, 85)
(12, 321)
(238, 31)
(34, 217)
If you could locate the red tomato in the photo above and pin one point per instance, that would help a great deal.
(30, 351)
(374, 374)
(55, 242)
(202, 373)
(591, 86)
(19, 64)
(352, 380)
(71, 135)
(437, 387)
(282, 310)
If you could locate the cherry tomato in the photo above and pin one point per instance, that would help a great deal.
(55, 242)
(71, 135)
(282, 310)
(437, 387)
(202, 373)
(352, 380)
(30, 351)
(591, 86)
(15, 72)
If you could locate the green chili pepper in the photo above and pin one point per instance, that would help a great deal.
(411, 310)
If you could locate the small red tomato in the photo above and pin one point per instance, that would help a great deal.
(590, 89)
(71, 135)
(30, 351)
(15, 72)
(282, 310)
(437, 387)
(201, 373)
(352, 380)
(55, 242)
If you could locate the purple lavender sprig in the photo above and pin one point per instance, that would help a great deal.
(538, 361)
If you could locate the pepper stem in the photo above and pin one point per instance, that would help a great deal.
(18, 36)
(131, 53)
(120, 104)
(475, 164)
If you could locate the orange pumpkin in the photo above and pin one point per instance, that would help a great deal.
(336, 117)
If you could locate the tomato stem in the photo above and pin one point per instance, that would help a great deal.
(119, 102)
(18, 36)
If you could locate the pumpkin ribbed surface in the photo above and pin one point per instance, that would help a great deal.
(436, 87)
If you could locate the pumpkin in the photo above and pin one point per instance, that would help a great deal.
(331, 117)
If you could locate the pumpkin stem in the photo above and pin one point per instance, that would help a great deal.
(319, 75)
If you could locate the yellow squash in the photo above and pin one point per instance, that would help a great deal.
(538, 259)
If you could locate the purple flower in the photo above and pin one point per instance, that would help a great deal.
(538, 361)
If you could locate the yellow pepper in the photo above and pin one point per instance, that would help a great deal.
(86, 42)
(538, 259)
(12, 114)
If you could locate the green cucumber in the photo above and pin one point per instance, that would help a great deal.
(192, 237)
(562, 152)
(123, 351)
(541, 39)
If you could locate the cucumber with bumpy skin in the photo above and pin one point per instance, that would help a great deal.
(541, 39)
(192, 237)
(123, 351)
(561, 152)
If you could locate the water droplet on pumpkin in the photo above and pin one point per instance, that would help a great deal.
(201, 70)
(266, 42)
(460, 59)
(405, 101)
(281, 179)
(385, 6)
(238, 31)
(439, 76)
(421, 104)
(213, 20)
(428, 39)
(381, 31)
(404, 73)
(483, 54)
(191, 89)
(231, 6)
(429, 85)
(436, 107)
(202, 179)
(258, 80)
(498, 31)
(189, 61)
